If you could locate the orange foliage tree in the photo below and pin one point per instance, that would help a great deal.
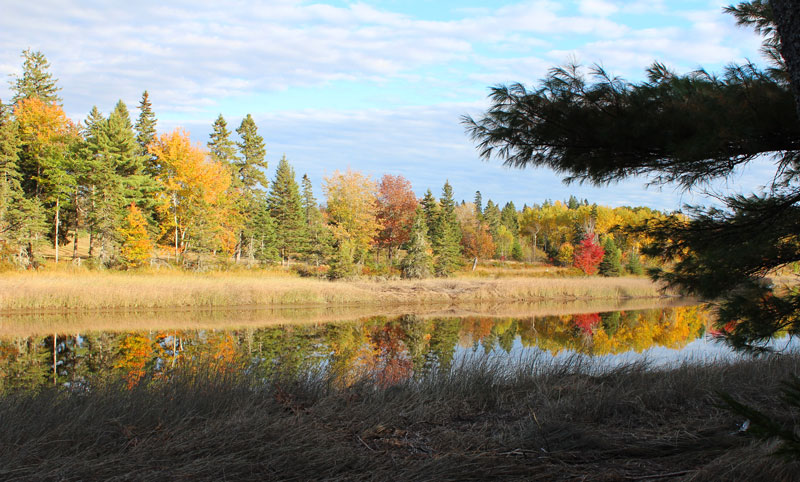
(196, 203)
(396, 206)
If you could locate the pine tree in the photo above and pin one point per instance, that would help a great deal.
(252, 154)
(264, 237)
(136, 247)
(491, 215)
(146, 131)
(36, 81)
(286, 208)
(22, 219)
(447, 235)
(510, 219)
(611, 265)
(418, 262)
(319, 236)
(431, 209)
(220, 146)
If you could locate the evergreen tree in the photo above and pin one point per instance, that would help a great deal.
(36, 81)
(431, 209)
(128, 163)
(342, 265)
(634, 265)
(611, 265)
(264, 237)
(22, 218)
(319, 237)
(145, 126)
(286, 209)
(418, 262)
(251, 164)
(509, 218)
(516, 250)
(491, 216)
(446, 235)
(478, 206)
(220, 146)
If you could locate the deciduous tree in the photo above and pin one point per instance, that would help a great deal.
(396, 207)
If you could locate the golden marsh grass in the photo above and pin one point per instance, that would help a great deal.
(92, 291)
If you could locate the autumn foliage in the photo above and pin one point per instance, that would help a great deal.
(136, 245)
(588, 255)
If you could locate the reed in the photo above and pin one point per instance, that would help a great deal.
(484, 418)
(90, 290)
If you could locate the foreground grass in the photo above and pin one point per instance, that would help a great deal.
(87, 290)
(484, 420)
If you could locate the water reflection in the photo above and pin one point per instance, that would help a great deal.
(391, 348)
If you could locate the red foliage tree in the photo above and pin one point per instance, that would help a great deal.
(587, 322)
(396, 206)
(588, 255)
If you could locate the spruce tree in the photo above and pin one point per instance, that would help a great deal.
(252, 154)
(509, 218)
(286, 208)
(611, 265)
(220, 146)
(418, 262)
(22, 218)
(264, 238)
(431, 209)
(478, 206)
(129, 164)
(491, 215)
(145, 125)
(36, 81)
(447, 235)
(319, 236)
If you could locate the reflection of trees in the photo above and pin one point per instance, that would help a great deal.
(388, 350)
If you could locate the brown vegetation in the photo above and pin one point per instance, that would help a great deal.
(536, 420)
(87, 290)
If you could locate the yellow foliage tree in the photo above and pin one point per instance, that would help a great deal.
(352, 208)
(136, 245)
(197, 202)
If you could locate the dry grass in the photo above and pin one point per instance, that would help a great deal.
(535, 420)
(86, 290)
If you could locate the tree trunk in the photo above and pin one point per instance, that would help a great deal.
(55, 359)
(175, 203)
(787, 21)
(58, 207)
(75, 240)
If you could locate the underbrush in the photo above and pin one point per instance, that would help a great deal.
(483, 418)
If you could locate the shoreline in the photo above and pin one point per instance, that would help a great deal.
(65, 293)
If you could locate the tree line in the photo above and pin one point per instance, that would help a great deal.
(141, 196)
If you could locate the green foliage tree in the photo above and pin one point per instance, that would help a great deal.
(286, 209)
(220, 146)
(688, 129)
(478, 205)
(319, 237)
(145, 125)
(634, 265)
(264, 241)
(446, 235)
(611, 265)
(510, 218)
(418, 262)
(491, 216)
(430, 207)
(249, 175)
(36, 80)
(251, 163)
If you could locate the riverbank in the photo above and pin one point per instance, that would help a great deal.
(536, 420)
(95, 291)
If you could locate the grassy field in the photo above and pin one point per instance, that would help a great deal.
(536, 420)
(83, 290)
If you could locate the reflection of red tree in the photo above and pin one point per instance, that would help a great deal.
(586, 322)
(392, 364)
(722, 332)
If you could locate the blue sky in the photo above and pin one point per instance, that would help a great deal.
(377, 86)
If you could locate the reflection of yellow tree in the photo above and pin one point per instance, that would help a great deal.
(673, 328)
(134, 353)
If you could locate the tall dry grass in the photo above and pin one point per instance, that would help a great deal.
(483, 419)
(87, 290)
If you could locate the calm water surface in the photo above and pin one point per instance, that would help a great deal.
(70, 349)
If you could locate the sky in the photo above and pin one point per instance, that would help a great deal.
(378, 86)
